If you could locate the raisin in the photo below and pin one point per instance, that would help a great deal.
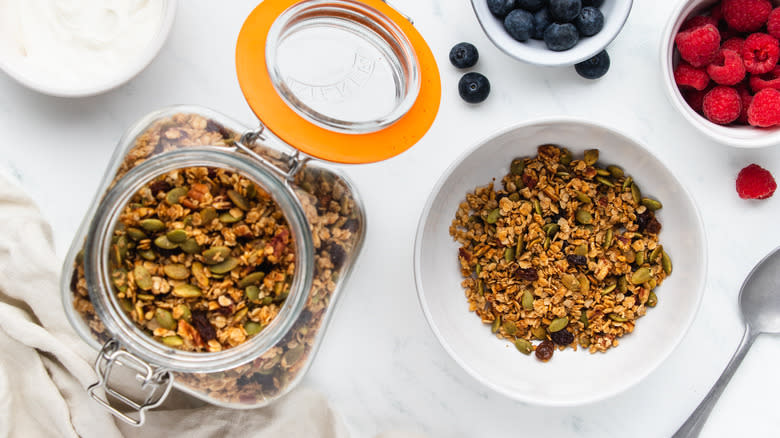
(653, 227)
(159, 186)
(501, 196)
(350, 225)
(544, 351)
(562, 337)
(213, 126)
(203, 326)
(337, 255)
(74, 280)
(646, 221)
(577, 260)
(555, 218)
(464, 254)
(529, 181)
(529, 274)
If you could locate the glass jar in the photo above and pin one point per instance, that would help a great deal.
(373, 97)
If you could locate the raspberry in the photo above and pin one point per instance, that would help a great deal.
(736, 44)
(747, 98)
(695, 98)
(722, 105)
(755, 182)
(728, 72)
(746, 15)
(764, 111)
(773, 23)
(761, 53)
(699, 46)
(766, 80)
(687, 76)
(698, 21)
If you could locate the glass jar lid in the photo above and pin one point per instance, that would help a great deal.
(342, 80)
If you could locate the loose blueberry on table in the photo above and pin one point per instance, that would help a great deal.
(464, 55)
(474, 87)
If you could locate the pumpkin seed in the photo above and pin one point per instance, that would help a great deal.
(164, 318)
(252, 328)
(173, 341)
(608, 289)
(655, 253)
(116, 255)
(215, 255)
(231, 217)
(176, 236)
(185, 290)
(537, 207)
(142, 277)
(509, 327)
(546, 244)
(528, 300)
(136, 234)
(177, 271)
(584, 282)
(639, 259)
(493, 216)
(147, 254)
(581, 250)
(199, 274)
(480, 287)
(602, 172)
(253, 278)
(584, 217)
(517, 167)
(591, 156)
(566, 157)
(208, 214)
(636, 194)
(666, 262)
(126, 305)
(514, 197)
(267, 300)
(174, 195)
(520, 247)
(608, 237)
(584, 340)
(652, 204)
(582, 197)
(617, 318)
(496, 324)
(641, 275)
(119, 278)
(652, 299)
(551, 229)
(224, 267)
(190, 246)
(616, 171)
(478, 269)
(152, 225)
(184, 311)
(539, 333)
(509, 254)
(145, 297)
(292, 356)
(605, 181)
(584, 319)
(627, 182)
(164, 243)
(558, 324)
(622, 285)
(652, 283)
(252, 292)
(570, 282)
(238, 200)
(524, 346)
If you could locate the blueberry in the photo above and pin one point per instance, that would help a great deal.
(500, 8)
(594, 3)
(590, 21)
(519, 24)
(464, 55)
(474, 87)
(564, 11)
(541, 21)
(531, 5)
(560, 37)
(595, 67)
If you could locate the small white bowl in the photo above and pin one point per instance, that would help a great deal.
(536, 52)
(738, 136)
(53, 88)
(571, 377)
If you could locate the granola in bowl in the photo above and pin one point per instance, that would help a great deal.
(566, 252)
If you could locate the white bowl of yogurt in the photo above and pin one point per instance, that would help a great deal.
(78, 48)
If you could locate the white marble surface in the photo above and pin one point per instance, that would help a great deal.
(380, 363)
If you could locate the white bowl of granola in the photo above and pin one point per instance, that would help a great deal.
(570, 377)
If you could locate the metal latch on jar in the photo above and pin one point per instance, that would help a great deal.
(159, 381)
(399, 11)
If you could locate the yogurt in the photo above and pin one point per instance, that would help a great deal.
(77, 43)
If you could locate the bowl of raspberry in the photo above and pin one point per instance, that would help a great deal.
(720, 66)
(552, 32)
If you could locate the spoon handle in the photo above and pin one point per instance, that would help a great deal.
(693, 426)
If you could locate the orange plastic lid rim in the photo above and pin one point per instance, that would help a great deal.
(319, 142)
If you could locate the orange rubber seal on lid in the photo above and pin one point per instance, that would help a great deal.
(276, 115)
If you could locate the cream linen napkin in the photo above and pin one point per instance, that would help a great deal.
(45, 367)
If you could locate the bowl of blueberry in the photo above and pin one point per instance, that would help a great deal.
(552, 32)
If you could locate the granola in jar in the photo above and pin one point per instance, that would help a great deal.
(566, 252)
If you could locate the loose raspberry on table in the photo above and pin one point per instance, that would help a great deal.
(695, 98)
(699, 46)
(747, 98)
(766, 80)
(755, 182)
(764, 111)
(773, 23)
(736, 44)
(722, 105)
(729, 70)
(685, 75)
(746, 15)
(698, 21)
(760, 53)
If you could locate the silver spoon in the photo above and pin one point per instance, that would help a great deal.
(759, 302)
